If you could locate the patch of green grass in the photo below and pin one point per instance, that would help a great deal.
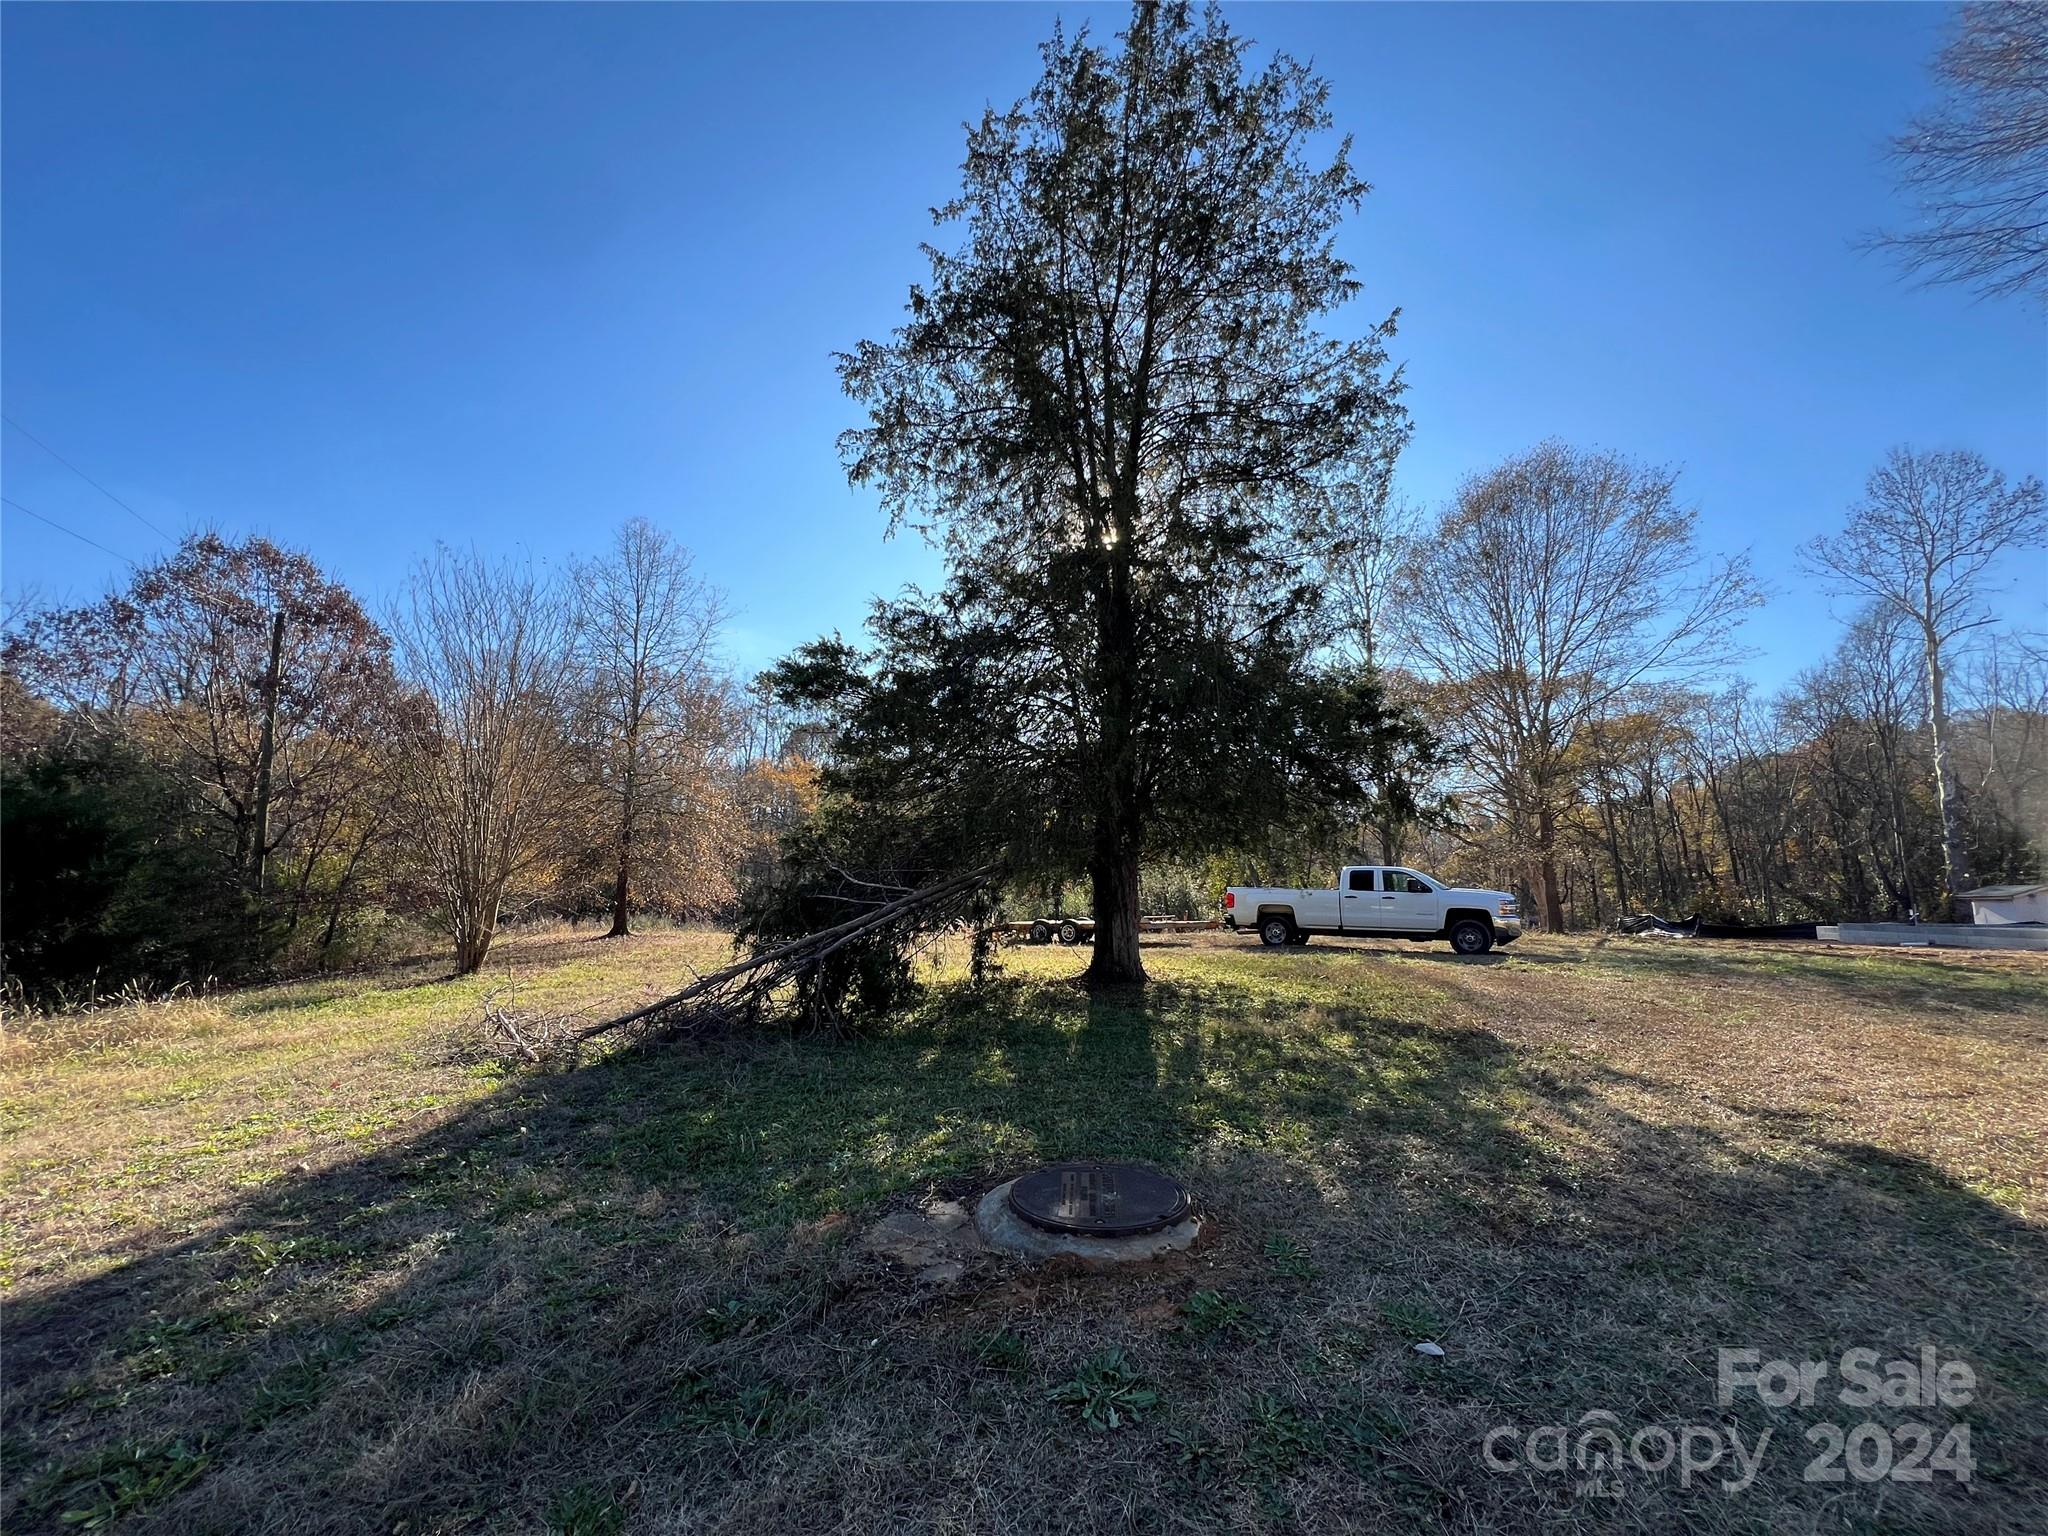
(1287, 1258)
(585, 1510)
(1340, 1348)
(1279, 1436)
(1003, 1351)
(750, 1410)
(1209, 1313)
(1197, 1458)
(1106, 1393)
(1366, 1433)
(295, 1386)
(112, 1484)
(1413, 1320)
(260, 1254)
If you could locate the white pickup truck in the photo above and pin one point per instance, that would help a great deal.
(1380, 902)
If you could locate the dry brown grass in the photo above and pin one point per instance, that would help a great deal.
(368, 1275)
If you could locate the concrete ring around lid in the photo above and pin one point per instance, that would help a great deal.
(1002, 1229)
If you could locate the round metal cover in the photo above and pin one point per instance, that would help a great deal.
(1098, 1199)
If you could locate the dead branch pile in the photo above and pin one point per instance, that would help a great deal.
(746, 990)
(543, 1037)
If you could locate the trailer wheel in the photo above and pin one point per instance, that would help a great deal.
(1276, 931)
(1299, 937)
(1070, 932)
(1471, 937)
(1041, 932)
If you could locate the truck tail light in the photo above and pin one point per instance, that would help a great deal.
(1230, 898)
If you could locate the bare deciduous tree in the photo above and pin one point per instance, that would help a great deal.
(654, 710)
(1374, 541)
(1364, 572)
(2001, 754)
(1850, 724)
(1555, 585)
(1977, 165)
(20, 605)
(485, 781)
(1929, 527)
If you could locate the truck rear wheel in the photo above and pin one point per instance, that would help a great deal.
(1469, 936)
(1276, 931)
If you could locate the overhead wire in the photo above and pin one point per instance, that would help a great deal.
(88, 479)
(95, 543)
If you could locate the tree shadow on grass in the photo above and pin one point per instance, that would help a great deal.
(313, 1331)
(626, 1280)
(1899, 980)
(1515, 955)
(514, 958)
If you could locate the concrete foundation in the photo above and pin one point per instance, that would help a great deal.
(1938, 935)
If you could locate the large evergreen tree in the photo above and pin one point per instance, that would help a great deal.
(1112, 406)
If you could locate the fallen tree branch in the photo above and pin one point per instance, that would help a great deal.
(746, 986)
(512, 1033)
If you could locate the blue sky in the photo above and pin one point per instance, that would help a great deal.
(361, 277)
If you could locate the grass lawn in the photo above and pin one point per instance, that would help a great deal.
(309, 1258)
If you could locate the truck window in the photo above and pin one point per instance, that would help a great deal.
(1413, 884)
(1361, 880)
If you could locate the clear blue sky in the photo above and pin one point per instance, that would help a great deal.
(359, 277)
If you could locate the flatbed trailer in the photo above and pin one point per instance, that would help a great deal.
(1072, 930)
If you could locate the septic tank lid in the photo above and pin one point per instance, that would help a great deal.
(1098, 1199)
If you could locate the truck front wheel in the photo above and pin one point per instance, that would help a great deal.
(1469, 936)
(1275, 931)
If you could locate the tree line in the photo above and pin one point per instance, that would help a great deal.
(229, 767)
(1185, 635)
(1558, 625)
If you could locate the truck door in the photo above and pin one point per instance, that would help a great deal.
(1408, 903)
(1358, 902)
(1318, 910)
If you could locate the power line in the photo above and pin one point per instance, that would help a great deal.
(62, 529)
(88, 479)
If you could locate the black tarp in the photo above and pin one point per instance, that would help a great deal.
(1694, 928)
